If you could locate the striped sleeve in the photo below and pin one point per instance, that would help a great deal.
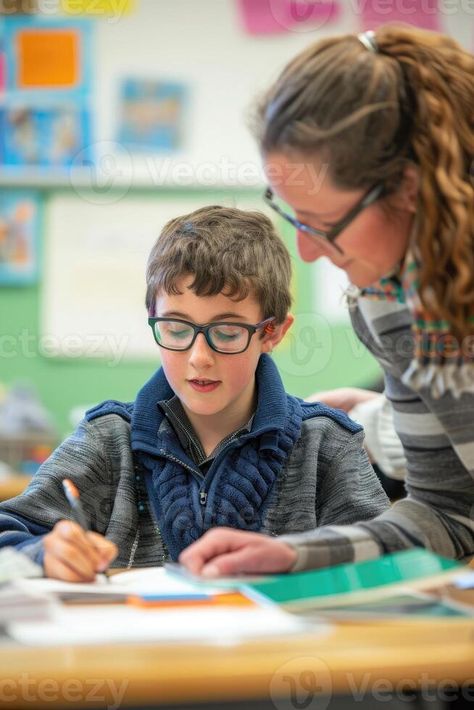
(438, 441)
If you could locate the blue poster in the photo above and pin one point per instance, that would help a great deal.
(47, 136)
(19, 226)
(152, 115)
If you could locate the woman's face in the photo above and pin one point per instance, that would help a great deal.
(371, 246)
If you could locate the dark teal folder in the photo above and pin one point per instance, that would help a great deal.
(417, 568)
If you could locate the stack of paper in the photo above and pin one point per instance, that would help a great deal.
(222, 622)
(20, 605)
(117, 623)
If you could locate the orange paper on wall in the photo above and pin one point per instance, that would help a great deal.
(48, 58)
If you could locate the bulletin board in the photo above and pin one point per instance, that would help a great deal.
(94, 275)
(45, 72)
(93, 294)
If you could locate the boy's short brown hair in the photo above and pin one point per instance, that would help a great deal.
(226, 250)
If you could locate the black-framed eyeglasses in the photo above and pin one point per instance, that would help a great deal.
(223, 337)
(330, 235)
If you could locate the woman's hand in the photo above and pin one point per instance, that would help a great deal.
(74, 555)
(224, 552)
(344, 398)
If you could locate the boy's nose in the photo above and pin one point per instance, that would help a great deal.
(201, 355)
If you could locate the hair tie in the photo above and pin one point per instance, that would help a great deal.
(368, 40)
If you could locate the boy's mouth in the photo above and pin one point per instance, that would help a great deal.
(204, 385)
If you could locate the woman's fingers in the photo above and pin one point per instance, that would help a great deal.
(226, 552)
(214, 543)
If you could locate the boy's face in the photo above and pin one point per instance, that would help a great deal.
(211, 384)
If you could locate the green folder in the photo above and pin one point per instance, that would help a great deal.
(360, 581)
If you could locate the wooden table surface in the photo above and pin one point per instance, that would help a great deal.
(13, 486)
(369, 657)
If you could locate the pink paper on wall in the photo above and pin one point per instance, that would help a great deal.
(2, 71)
(421, 13)
(265, 17)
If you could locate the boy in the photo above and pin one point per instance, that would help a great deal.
(212, 439)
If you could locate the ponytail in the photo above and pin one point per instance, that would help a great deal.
(441, 77)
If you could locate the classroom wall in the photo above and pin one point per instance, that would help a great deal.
(317, 354)
(205, 46)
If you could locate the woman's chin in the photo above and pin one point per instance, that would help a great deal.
(363, 277)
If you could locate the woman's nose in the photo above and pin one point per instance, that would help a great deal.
(200, 354)
(309, 248)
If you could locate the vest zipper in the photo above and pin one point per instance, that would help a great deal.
(208, 478)
(197, 475)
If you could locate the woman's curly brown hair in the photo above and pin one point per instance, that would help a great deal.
(369, 115)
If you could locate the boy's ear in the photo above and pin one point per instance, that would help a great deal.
(272, 339)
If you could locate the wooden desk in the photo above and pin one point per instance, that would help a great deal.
(13, 486)
(358, 661)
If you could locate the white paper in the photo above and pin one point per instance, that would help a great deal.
(125, 623)
(115, 623)
(149, 580)
(465, 581)
(16, 565)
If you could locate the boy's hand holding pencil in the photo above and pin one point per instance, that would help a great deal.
(72, 552)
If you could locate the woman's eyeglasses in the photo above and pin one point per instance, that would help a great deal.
(330, 235)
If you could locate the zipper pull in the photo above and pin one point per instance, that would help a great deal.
(202, 497)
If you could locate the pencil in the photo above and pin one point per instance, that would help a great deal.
(72, 495)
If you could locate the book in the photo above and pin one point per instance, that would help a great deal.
(403, 603)
(359, 582)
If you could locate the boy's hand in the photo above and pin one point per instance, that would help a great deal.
(74, 555)
(224, 552)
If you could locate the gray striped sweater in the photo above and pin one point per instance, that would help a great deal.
(327, 479)
(438, 440)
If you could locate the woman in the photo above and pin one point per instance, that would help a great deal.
(370, 141)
